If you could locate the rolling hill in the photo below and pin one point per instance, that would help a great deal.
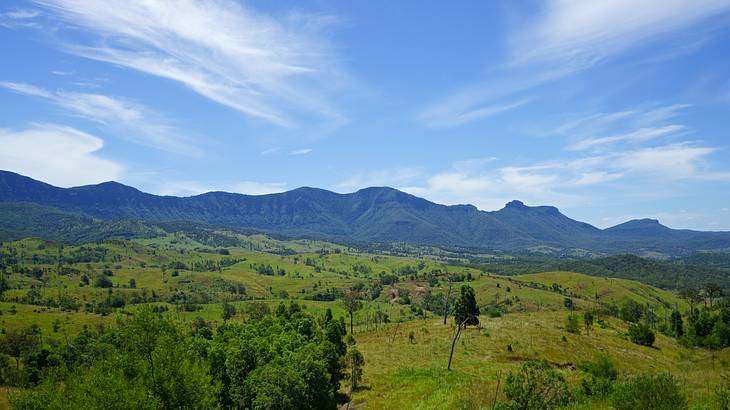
(377, 214)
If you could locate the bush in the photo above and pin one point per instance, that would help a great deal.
(103, 281)
(647, 392)
(641, 334)
(572, 324)
(602, 376)
(535, 386)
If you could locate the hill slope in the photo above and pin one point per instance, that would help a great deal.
(376, 214)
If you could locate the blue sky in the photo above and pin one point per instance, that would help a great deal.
(610, 110)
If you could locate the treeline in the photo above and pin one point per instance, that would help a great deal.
(286, 360)
(662, 274)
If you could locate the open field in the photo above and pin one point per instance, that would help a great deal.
(55, 289)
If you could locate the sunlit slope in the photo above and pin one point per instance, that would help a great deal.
(605, 290)
(400, 374)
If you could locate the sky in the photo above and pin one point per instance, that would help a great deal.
(609, 110)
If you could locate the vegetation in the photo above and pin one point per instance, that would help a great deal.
(269, 323)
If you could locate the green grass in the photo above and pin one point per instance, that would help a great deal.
(404, 375)
(398, 374)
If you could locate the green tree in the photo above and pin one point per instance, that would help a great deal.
(572, 324)
(676, 324)
(228, 311)
(588, 320)
(351, 301)
(466, 311)
(355, 361)
(641, 334)
(102, 281)
(16, 343)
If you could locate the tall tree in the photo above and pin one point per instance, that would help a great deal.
(712, 291)
(676, 324)
(351, 301)
(466, 312)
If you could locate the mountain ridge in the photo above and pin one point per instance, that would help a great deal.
(373, 214)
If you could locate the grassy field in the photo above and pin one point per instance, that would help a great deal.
(400, 372)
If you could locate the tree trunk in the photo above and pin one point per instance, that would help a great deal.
(446, 303)
(351, 322)
(453, 345)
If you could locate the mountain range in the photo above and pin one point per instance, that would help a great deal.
(376, 214)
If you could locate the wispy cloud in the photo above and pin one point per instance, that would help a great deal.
(303, 151)
(22, 14)
(276, 70)
(584, 33)
(56, 154)
(19, 18)
(640, 135)
(629, 127)
(565, 38)
(569, 181)
(135, 121)
(457, 113)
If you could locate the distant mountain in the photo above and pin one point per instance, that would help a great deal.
(377, 214)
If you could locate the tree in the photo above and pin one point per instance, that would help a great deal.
(631, 311)
(355, 362)
(641, 334)
(692, 296)
(676, 324)
(568, 303)
(228, 311)
(466, 312)
(446, 301)
(572, 324)
(351, 301)
(588, 320)
(16, 343)
(713, 290)
(102, 281)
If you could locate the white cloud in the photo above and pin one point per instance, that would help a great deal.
(56, 154)
(454, 113)
(22, 14)
(640, 135)
(388, 177)
(681, 219)
(273, 70)
(583, 33)
(134, 121)
(568, 182)
(258, 188)
(303, 151)
(188, 188)
(565, 38)
(270, 151)
(675, 161)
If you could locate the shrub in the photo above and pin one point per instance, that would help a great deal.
(572, 324)
(602, 376)
(535, 386)
(103, 281)
(641, 334)
(647, 392)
